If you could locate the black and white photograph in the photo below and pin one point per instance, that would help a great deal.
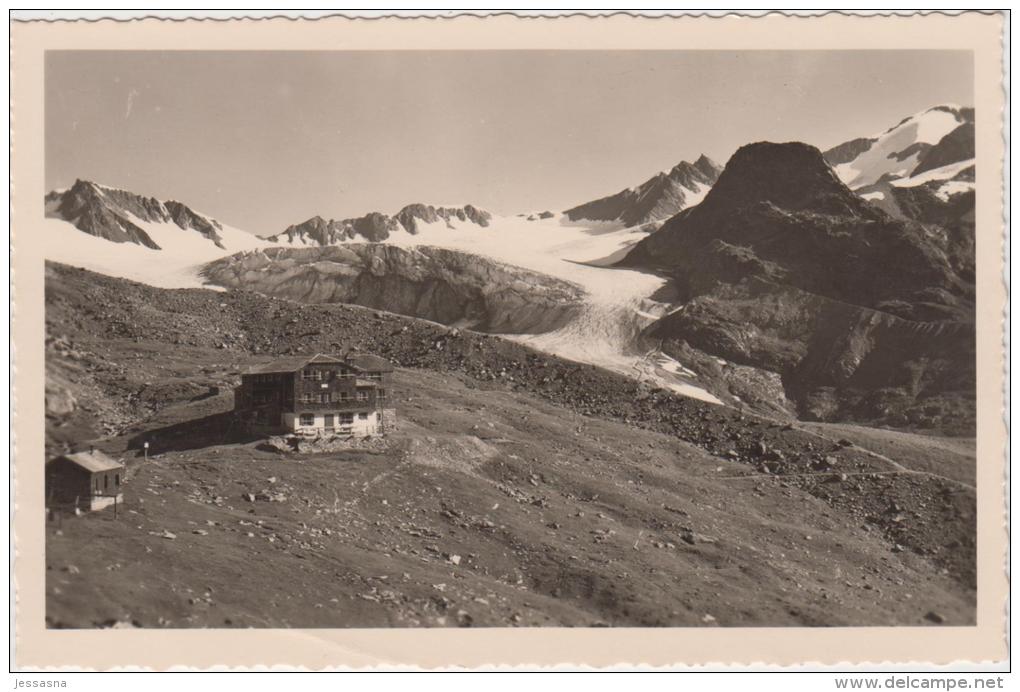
(430, 338)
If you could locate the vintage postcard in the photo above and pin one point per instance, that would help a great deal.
(569, 340)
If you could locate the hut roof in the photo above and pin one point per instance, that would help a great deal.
(365, 362)
(93, 461)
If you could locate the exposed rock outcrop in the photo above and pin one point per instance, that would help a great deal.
(376, 227)
(837, 361)
(848, 151)
(958, 145)
(413, 214)
(454, 288)
(373, 227)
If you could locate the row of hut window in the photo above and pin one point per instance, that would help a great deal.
(319, 375)
(342, 418)
(327, 398)
(323, 398)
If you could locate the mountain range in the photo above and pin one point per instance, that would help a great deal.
(835, 285)
(583, 399)
(376, 226)
(125, 217)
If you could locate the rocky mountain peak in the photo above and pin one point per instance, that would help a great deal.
(708, 167)
(115, 214)
(660, 197)
(790, 175)
(779, 213)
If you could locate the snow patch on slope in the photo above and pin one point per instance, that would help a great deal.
(946, 187)
(897, 151)
(697, 194)
(176, 265)
(67, 245)
(946, 172)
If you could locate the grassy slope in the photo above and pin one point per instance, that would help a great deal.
(557, 517)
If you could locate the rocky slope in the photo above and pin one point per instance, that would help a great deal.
(784, 269)
(519, 489)
(376, 226)
(779, 213)
(956, 146)
(446, 286)
(658, 198)
(837, 361)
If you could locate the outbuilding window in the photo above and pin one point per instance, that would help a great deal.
(307, 419)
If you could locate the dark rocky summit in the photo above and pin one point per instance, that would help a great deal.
(657, 198)
(866, 317)
(779, 213)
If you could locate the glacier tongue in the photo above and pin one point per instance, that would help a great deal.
(620, 302)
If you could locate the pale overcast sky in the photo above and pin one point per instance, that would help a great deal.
(262, 140)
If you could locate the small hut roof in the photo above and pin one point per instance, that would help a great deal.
(93, 461)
